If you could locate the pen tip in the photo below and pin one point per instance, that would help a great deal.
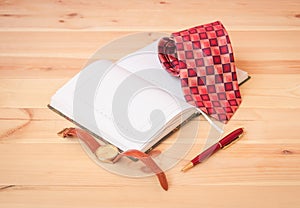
(187, 167)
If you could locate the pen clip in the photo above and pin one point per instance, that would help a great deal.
(234, 141)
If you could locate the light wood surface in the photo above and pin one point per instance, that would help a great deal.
(45, 43)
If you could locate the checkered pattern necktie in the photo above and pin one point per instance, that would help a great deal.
(202, 57)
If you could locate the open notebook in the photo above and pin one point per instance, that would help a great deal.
(132, 103)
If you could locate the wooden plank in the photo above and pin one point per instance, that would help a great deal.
(68, 164)
(32, 67)
(54, 44)
(149, 196)
(26, 93)
(248, 45)
(157, 15)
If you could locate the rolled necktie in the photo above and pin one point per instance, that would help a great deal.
(202, 57)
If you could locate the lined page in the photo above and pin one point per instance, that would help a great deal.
(117, 105)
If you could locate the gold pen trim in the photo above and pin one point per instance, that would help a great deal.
(187, 167)
(234, 141)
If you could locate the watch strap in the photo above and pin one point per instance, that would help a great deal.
(109, 153)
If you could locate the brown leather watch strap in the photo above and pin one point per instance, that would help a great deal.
(150, 163)
(109, 153)
(79, 133)
(105, 153)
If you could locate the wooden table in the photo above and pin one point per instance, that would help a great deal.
(44, 43)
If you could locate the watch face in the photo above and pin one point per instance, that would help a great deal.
(107, 153)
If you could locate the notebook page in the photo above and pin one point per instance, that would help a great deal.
(135, 109)
(147, 112)
(146, 65)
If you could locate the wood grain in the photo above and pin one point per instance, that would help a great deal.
(78, 196)
(45, 43)
(156, 15)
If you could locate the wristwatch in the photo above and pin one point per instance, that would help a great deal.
(105, 153)
(110, 154)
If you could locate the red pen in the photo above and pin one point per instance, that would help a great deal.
(223, 143)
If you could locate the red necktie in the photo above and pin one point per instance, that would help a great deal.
(202, 57)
